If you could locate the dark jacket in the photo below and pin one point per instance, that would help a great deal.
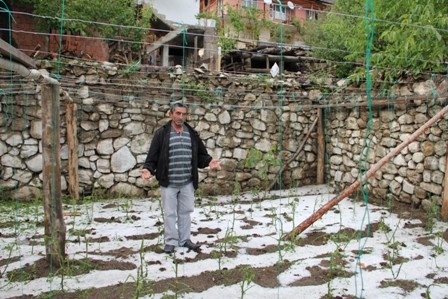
(157, 159)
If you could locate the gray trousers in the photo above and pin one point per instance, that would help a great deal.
(178, 204)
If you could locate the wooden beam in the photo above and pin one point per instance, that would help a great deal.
(9, 52)
(276, 58)
(26, 73)
(350, 189)
(165, 39)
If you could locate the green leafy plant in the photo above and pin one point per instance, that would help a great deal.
(433, 212)
(393, 249)
(226, 42)
(262, 162)
(248, 277)
(141, 271)
(245, 21)
(438, 247)
(206, 15)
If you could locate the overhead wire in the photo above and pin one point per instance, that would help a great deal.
(367, 144)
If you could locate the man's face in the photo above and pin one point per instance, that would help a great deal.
(179, 115)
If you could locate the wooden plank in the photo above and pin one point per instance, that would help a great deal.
(9, 52)
(350, 189)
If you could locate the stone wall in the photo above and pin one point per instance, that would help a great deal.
(118, 112)
(250, 122)
(416, 174)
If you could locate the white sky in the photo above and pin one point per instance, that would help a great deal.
(184, 13)
(299, 204)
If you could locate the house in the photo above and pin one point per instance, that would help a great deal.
(258, 41)
(291, 14)
(275, 10)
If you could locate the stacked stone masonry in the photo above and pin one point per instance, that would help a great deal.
(119, 111)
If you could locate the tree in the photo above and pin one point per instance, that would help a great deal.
(410, 37)
(93, 18)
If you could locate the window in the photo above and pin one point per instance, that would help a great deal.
(278, 12)
(311, 14)
(250, 3)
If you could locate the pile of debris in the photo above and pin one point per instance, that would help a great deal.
(263, 58)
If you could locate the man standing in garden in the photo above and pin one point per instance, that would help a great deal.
(175, 154)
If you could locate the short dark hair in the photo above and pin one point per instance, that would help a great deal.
(177, 104)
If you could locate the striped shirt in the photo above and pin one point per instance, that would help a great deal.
(179, 165)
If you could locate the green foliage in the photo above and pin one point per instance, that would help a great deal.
(247, 19)
(248, 277)
(130, 19)
(409, 37)
(200, 90)
(256, 159)
(132, 68)
(253, 158)
(206, 15)
(226, 43)
(433, 212)
(236, 19)
(297, 24)
(262, 163)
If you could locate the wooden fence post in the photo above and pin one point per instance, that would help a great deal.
(72, 144)
(55, 231)
(320, 147)
(444, 211)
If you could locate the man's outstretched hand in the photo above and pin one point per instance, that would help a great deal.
(146, 174)
(214, 164)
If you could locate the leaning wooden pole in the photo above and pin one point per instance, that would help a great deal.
(295, 154)
(349, 190)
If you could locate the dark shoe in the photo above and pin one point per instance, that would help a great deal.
(190, 245)
(169, 249)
